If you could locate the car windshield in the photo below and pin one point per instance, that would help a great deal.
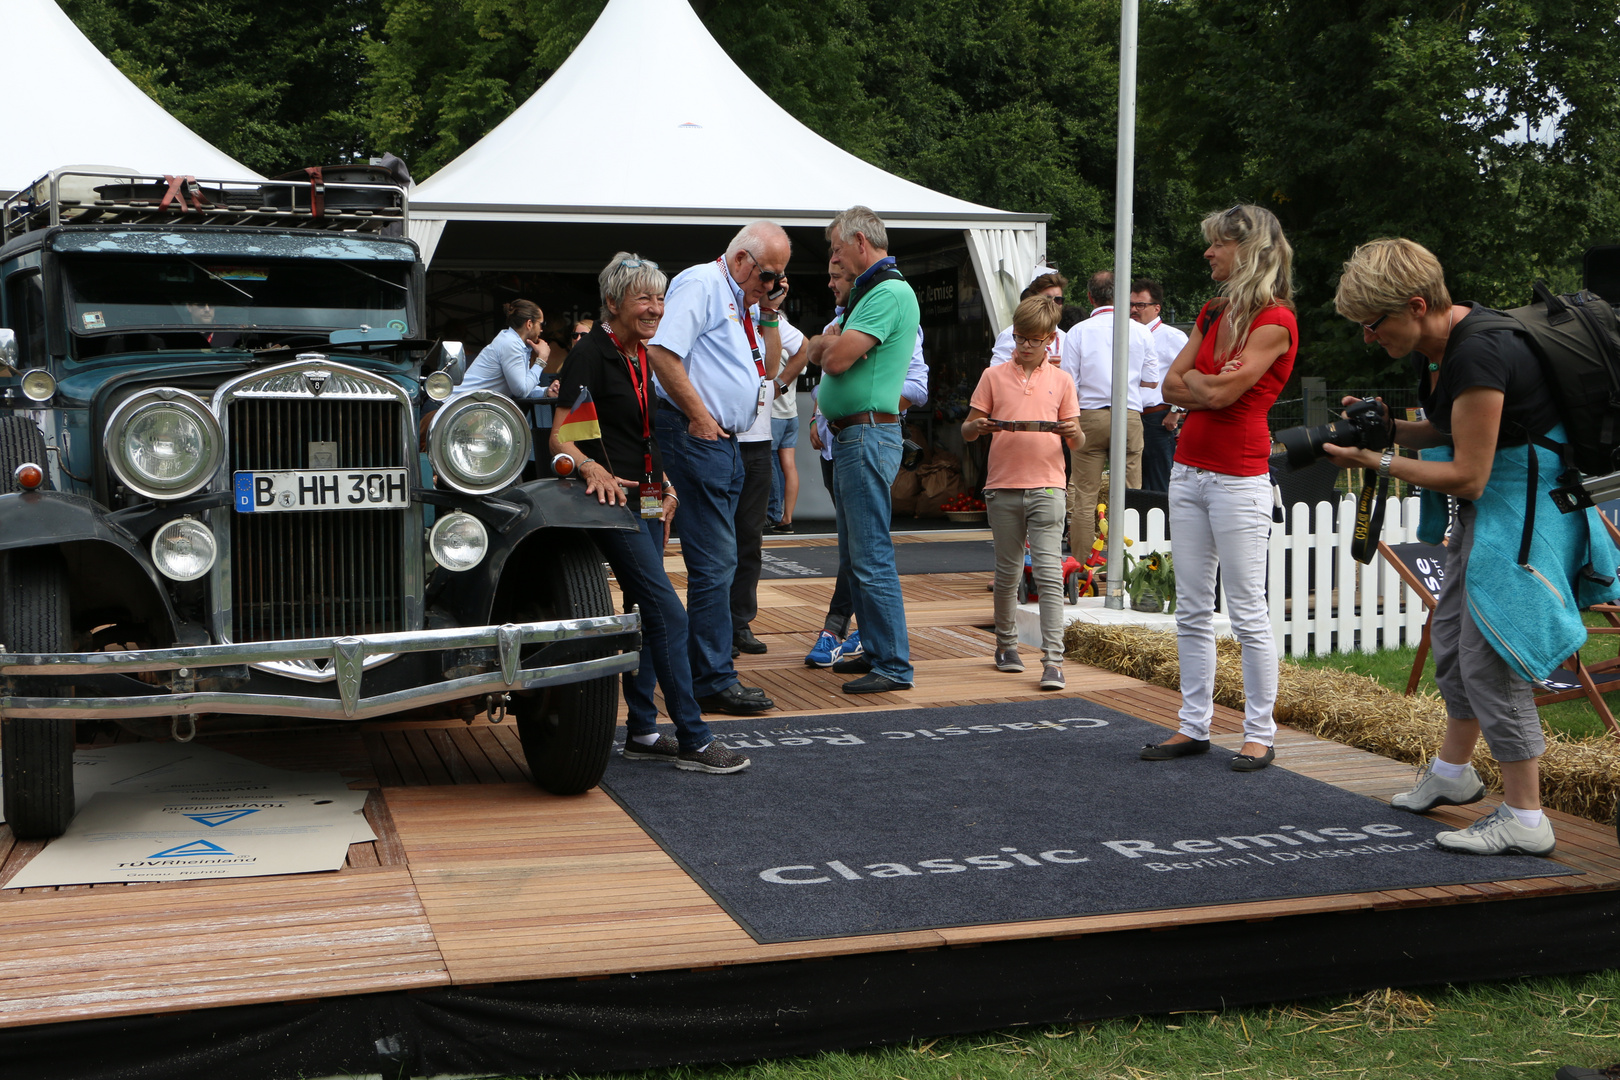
(111, 294)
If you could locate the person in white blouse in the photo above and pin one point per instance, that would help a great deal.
(514, 363)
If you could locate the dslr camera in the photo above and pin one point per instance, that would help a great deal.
(1363, 425)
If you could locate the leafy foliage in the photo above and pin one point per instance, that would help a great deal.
(273, 85)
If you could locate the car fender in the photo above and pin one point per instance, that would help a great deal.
(87, 537)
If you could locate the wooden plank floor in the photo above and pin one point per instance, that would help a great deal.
(477, 876)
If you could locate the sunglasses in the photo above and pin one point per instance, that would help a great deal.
(769, 277)
(633, 264)
(579, 334)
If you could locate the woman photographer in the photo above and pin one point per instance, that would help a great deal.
(624, 467)
(1484, 398)
(1228, 374)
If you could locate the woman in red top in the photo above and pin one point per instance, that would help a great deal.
(1226, 377)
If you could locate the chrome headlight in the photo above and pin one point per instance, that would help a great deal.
(163, 444)
(38, 385)
(478, 443)
(184, 549)
(458, 541)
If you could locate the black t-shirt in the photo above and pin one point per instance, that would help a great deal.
(595, 363)
(1497, 359)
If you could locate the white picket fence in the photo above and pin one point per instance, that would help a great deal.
(1351, 607)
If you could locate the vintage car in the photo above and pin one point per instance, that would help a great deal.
(222, 501)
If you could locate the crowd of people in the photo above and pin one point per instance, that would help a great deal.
(689, 377)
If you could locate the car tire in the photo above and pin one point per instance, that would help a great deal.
(36, 755)
(20, 442)
(567, 731)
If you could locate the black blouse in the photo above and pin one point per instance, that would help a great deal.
(596, 364)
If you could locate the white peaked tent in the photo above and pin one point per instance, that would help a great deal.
(69, 104)
(650, 124)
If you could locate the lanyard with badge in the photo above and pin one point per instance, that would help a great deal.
(652, 492)
(747, 320)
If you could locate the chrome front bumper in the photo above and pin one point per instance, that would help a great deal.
(347, 656)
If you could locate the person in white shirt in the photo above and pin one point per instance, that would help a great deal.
(1089, 351)
(514, 363)
(1051, 286)
(1160, 419)
(709, 365)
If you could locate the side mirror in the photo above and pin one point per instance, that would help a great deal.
(8, 348)
(453, 360)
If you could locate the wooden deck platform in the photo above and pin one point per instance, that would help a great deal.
(477, 877)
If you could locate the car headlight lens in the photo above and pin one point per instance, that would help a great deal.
(438, 386)
(184, 550)
(458, 541)
(38, 385)
(163, 444)
(478, 443)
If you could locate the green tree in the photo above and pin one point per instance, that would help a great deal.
(1358, 120)
(273, 85)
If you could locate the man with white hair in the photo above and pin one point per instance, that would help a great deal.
(709, 362)
(865, 358)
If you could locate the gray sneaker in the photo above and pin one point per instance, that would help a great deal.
(714, 758)
(1052, 676)
(1499, 834)
(1008, 659)
(665, 749)
(1433, 791)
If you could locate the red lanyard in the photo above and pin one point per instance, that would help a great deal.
(747, 321)
(643, 396)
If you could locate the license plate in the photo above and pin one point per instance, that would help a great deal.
(321, 489)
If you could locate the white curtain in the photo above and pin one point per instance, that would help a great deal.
(1003, 260)
(426, 232)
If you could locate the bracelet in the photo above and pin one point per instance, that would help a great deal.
(770, 325)
(1383, 463)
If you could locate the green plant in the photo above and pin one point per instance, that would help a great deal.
(1154, 572)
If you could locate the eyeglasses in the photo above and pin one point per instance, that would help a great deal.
(1020, 342)
(1138, 305)
(769, 277)
(1372, 327)
(579, 334)
(635, 264)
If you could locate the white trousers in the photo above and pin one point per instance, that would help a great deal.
(1222, 521)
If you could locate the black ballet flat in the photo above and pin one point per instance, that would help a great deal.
(1248, 763)
(1165, 751)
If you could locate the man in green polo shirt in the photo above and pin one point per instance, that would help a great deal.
(865, 360)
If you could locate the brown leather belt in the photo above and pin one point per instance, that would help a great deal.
(1163, 405)
(867, 417)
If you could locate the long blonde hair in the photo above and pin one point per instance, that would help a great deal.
(1262, 272)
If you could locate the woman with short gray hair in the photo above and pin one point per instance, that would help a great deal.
(622, 465)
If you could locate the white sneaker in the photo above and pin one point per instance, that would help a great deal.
(1434, 790)
(1499, 834)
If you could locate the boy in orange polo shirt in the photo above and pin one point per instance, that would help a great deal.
(1024, 491)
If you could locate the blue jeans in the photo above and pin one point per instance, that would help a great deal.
(708, 479)
(784, 436)
(637, 559)
(864, 466)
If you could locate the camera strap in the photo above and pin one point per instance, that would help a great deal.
(1369, 515)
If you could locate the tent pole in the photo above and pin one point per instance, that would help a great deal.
(1124, 184)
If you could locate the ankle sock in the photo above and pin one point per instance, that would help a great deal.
(1446, 770)
(1530, 819)
(645, 740)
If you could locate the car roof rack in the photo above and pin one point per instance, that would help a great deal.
(95, 195)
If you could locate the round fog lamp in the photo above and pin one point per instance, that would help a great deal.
(438, 386)
(458, 541)
(38, 385)
(184, 550)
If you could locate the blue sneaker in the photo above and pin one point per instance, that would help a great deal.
(851, 648)
(824, 653)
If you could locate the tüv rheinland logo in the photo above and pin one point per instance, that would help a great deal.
(192, 853)
(220, 817)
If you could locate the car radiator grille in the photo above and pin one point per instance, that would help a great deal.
(319, 573)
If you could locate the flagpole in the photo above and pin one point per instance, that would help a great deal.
(1124, 183)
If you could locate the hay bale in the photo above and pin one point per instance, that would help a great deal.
(1578, 776)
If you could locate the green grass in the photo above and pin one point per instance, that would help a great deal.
(1392, 668)
(1483, 1031)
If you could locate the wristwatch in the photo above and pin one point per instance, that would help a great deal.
(1383, 463)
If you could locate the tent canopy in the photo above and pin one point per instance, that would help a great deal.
(710, 149)
(72, 105)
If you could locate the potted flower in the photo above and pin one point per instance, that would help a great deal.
(1150, 580)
